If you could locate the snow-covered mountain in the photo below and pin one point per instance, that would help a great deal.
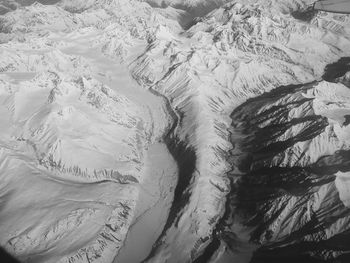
(173, 131)
(295, 161)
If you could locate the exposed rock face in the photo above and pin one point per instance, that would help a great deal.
(296, 158)
(87, 87)
(236, 52)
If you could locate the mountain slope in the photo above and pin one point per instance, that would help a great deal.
(294, 194)
(91, 87)
(236, 52)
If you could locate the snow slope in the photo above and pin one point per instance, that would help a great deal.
(90, 86)
(238, 51)
(75, 137)
(295, 192)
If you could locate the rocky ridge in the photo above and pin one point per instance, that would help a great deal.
(204, 68)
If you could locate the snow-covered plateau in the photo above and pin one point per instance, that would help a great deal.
(174, 131)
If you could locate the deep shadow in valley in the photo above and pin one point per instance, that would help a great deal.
(6, 257)
(190, 14)
(259, 186)
(185, 158)
(305, 15)
(336, 70)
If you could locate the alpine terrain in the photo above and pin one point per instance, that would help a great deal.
(174, 131)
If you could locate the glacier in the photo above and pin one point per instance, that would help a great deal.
(174, 131)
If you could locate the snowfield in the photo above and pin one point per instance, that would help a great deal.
(173, 131)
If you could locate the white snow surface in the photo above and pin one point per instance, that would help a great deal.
(78, 118)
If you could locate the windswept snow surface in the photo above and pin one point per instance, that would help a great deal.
(76, 132)
(91, 91)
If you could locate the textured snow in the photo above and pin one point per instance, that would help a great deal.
(88, 88)
(236, 52)
(343, 187)
(75, 137)
(298, 145)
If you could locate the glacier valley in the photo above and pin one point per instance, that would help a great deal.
(185, 131)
